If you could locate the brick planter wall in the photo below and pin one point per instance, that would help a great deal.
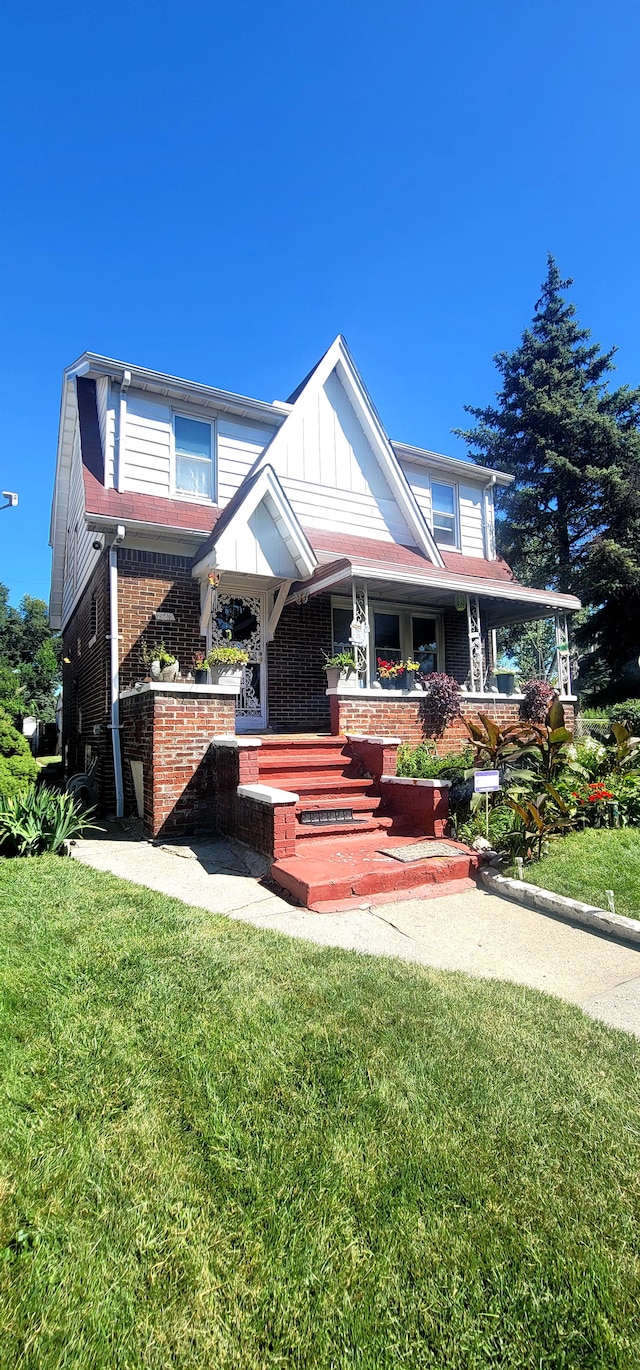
(405, 718)
(171, 734)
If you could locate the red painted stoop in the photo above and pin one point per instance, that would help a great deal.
(340, 865)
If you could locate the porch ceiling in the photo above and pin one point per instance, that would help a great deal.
(519, 605)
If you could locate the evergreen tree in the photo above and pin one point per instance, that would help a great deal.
(571, 519)
(563, 435)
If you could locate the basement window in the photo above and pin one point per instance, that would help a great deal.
(93, 620)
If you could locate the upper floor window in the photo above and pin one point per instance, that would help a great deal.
(194, 465)
(443, 504)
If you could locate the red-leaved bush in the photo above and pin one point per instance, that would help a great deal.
(535, 706)
(442, 701)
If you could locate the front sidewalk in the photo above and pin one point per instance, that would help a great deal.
(475, 932)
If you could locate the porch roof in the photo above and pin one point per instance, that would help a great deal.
(405, 573)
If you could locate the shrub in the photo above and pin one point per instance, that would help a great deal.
(537, 701)
(627, 713)
(17, 766)
(422, 762)
(441, 702)
(36, 821)
(341, 661)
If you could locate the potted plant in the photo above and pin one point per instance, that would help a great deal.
(200, 668)
(339, 668)
(411, 669)
(505, 679)
(225, 665)
(161, 663)
(388, 673)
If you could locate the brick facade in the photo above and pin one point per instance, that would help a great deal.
(148, 583)
(86, 694)
(296, 677)
(406, 718)
(171, 734)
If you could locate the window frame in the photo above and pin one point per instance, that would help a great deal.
(197, 417)
(406, 613)
(451, 485)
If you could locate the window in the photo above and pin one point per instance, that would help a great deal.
(443, 504)
(424, 643)
(397, 633)
(193, 457)
(342, 629)
(386, 638)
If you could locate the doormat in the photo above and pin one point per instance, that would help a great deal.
(418, 851)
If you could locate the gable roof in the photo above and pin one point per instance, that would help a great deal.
(338, 358)
(261, 486)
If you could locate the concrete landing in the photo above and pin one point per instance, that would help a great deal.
(338, 873)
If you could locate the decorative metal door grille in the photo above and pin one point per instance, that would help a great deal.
(237, 622)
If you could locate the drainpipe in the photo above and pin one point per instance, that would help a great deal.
(122, 421)
(115, 669)
(489, 524)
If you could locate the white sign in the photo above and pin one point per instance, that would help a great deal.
(359, 634)
(484, 782)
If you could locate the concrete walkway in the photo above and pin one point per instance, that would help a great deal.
(473, 931)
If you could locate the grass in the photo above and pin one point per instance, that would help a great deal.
(223, 1148)
(584, 865)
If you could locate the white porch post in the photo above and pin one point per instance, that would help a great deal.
(562, 655)
(476, 664)
(360, 629)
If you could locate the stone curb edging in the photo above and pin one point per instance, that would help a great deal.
(600, 920)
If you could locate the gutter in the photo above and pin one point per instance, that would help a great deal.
(114, 638)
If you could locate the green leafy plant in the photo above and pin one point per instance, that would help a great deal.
(423, 763)
(157, 652)
(551, 742)
(626, 756)
(543, 818)
(17, 766)
(496, 748)
(227, 656)
(441, 704)
(627, 713)
(36, 821)
(342, 661)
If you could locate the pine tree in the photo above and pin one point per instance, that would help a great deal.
(571, 519)
(563, 435)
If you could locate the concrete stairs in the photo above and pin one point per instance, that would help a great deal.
(341, 825)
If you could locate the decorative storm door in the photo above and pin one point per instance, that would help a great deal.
(238, 621)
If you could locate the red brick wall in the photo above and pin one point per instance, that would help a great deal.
(268, 828)
(172, 735)
(86, 697)
(148, 582)
(297, 680)
(405, 718)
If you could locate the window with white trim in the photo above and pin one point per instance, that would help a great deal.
(193, 442)
(397, 633)
(444, 513)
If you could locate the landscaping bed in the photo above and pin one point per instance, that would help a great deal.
(586, 864)
(221, 1147)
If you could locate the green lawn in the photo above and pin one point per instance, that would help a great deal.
(586, 864)
(222, 1148)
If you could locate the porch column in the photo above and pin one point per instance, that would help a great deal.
(476, 664)
(563, 659)
(360, 629)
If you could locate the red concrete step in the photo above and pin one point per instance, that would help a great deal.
(324, 787)
(328, 801)
(303, 761)
(363, 824)
(337, 868)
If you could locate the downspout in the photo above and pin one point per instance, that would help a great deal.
(115, 669)
(489, 521)
(122, 423)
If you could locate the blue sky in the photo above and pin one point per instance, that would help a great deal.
(217, 190)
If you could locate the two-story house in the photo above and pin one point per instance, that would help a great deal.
(295, 528)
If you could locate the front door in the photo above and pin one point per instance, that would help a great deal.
(239, 620)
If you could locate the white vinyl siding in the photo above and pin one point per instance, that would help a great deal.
(147, 446)
(107, 422)
(331, 475)
(239, 446)
(80, 555)
(469, 506)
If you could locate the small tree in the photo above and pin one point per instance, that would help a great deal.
(17, 766)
